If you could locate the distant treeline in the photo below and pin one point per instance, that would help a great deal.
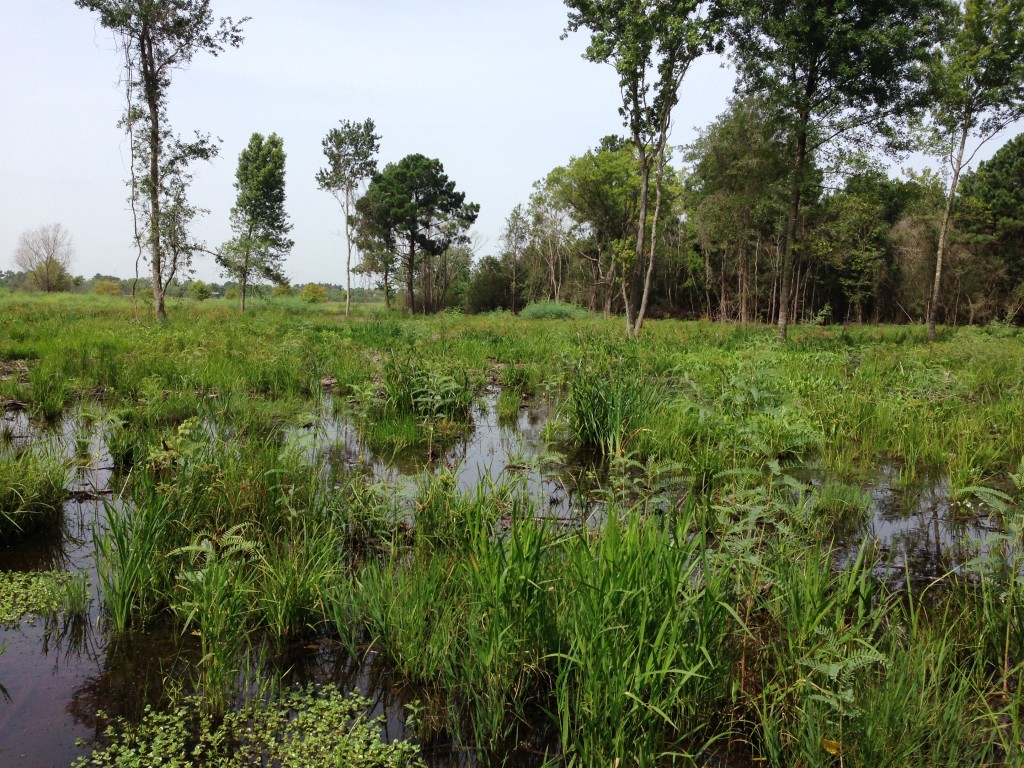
(111, 285)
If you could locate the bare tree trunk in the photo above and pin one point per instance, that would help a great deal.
(658, 184)
(635, 290)
(151, 87)
(348, 254)
(786, 287)
(944, 230)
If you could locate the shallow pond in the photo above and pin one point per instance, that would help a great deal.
(55, 676)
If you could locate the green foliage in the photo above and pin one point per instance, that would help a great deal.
(552, 310)
(42, 593)
(130, 562)
(313, 293)
(213, 597)
(199, 290)
(304, 728)
(155, 41)
(412, 212)
(107, 288)
(32, 492)
(258, 218)
(605, 405)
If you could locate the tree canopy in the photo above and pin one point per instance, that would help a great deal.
(156, 38)
(258, 218)
(411, 210)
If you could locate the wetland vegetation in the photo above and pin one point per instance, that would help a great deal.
(516, 541)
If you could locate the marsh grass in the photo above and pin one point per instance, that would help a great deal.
(700, 609)
(33, 486)
(131, 550)
(213, 596)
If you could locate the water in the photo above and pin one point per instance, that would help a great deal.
(54, 677)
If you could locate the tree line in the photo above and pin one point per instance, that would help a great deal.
(782, 209)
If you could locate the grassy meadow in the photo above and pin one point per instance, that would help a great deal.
(719, 596)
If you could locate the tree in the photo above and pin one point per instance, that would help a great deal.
(258, 219)
(412, 211)
(45, 254)
(600, 190)
(351, 160)
(736, 206)
(514, 239)
(829, 69)
(199, 290)
(978, 85)
(649, 44)
(990, 218)
(156, 38)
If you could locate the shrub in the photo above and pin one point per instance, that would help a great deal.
(552, 310)
(107, 288)
(312, 293)
(200, 291)
(281, 290)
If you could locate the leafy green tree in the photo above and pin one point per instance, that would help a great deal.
(651, 46)
(412, 211)
(736, 205)
(990, 218)
(978, 90)
(489, 286)
(156, 38)
(107, 288)
(351, 151)
(515, 238)
(258, 219)
(313, 293)
(199, 290)
(600, 190)
(829, 70)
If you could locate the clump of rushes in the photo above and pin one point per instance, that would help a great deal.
(647, 639)
(130, 552)
(32, 492)
(294, 574)
(49, 391)
(604, 408)
(214, 597)
(432, 391)
(301, 728)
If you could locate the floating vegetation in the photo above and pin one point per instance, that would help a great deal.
(41, 594)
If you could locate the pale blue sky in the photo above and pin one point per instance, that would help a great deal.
(485, 86)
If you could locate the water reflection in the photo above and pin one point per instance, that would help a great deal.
(55, 675)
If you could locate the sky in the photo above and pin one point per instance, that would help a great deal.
(485, 86)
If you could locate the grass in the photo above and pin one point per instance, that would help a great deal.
(32, 491)
(711, 606)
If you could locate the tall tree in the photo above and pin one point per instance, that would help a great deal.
(156, 38)
(736, 204)
(651, 45)
(990, 216)
(412, 210)
(600, 190)
(45, 255)
(830, 69)
(351, 152)
(514, 239)
(978, 79)
(258, 219)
